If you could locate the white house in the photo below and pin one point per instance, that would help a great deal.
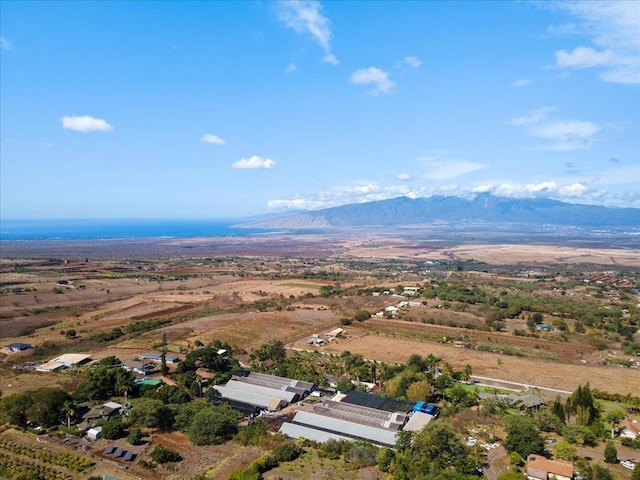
(629, 429)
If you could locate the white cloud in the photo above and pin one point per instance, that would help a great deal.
(255, 162)
(523, 82)
(532, 117)
(5, 44)
(366, 192)
(547, 189)
(445, 169)
(588, 190)
(613, 29)
(331, 59)
(372, 75)
(303, 16)
(413, 62)
(569, 135)
(85, 124)
(291, 68)
(584, 57)
(566, 135)
(404, 177)
(213, 139)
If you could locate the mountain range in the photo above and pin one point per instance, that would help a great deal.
(482, 210)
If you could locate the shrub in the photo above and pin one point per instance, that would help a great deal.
(162, 454)
(135, 436)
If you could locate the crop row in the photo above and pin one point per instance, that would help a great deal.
(19, 468)
(76, 463)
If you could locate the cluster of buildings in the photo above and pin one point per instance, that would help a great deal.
(252, 390)
(67, 360)
(349, 416)
(359, 416)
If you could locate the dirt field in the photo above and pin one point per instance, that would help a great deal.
(362, 339)
(249, 291)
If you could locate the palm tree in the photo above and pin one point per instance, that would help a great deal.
(69, 409)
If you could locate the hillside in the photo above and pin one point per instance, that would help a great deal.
(484, 210)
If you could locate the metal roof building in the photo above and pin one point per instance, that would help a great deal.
(276, 382)
(375, 401)
(250, 398)
(246, 410)
(157, 357)
(376, 435)
(260, 390)
(418, 421)
(293, 430)
(360, 414)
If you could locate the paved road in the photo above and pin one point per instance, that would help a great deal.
(515, 386)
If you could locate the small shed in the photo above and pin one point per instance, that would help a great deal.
(94, 433)
(335, 332)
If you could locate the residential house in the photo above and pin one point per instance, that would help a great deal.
(99, 412)
(18, 347)
(157, 357)
(541, 468)
(140, 367)
(629, 429)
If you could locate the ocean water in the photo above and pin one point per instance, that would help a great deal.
(14, 229)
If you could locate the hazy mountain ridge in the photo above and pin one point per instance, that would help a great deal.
(484, 208)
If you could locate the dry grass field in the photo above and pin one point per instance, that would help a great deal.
(249, 292)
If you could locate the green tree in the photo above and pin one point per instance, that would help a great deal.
(565, 451)
(419, 391)
(135, 436)
(186, 412)
(636, 472)
(213, 425)
(15, 407)
(601, 473)
(104, 380)
(152, 413)
(48, 406)
(610, 453)
(461, 397)
(385, 458)
(362, 315)
(254, 433)
(113, 428)
(558, 409)
(580, 407)
(162, 454)
(439, 443)
(522, 436)
(512, 476)
(69, 410)
(579, 434)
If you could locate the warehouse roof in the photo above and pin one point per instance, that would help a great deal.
(300, 431)
(379, 436)
(418, 421)
(260, 390)
(374, 401)
(251, 398)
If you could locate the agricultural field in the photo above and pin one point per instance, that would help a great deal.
(476, 305)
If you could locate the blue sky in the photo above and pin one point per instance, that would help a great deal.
(229, 109)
